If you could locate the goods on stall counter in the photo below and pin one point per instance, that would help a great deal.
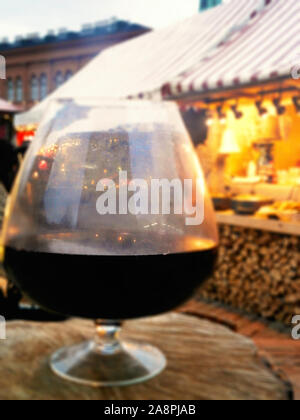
(287, 211)
(249, 204)
(246, 180)
(221, 202)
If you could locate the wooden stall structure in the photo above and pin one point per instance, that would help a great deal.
(249, 90)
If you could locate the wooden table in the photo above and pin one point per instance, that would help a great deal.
(205, 361)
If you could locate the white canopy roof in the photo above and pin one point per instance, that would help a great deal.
(140, 67)
(266, 48)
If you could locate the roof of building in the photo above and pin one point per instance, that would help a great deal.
(255, 41)
(140, 67)
(8, 107)
(103, 28)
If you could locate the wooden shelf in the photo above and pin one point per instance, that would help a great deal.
(253, 222)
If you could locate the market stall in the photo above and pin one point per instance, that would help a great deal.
(249, 91)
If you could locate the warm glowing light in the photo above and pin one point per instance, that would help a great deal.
(43, 165)
(13, 231)
(35, 175)
(199, 244)
(120, 238)
(101, 331)
(2, 254)
(105, 171)
(229, 143)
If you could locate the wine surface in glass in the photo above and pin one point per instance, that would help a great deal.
(78, 277)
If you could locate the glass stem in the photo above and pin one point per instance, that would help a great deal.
(107, 337)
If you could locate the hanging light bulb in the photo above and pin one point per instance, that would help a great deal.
(296, 101)
(221, 114)
(229, 144)
(262, 111)
(280, 109)
(238, 114)
(209, 118)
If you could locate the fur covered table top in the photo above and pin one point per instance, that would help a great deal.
(205, 361)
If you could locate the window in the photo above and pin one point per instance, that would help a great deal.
(43, 86)
(10, 90)
(59, 79)
(19, 90)
(68, 75)
(34, 86)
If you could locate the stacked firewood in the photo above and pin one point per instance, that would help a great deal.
(258, 272)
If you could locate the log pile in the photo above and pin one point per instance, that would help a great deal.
(258, 272)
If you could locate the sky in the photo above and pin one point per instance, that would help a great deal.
(21, 17)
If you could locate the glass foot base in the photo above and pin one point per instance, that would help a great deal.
(92, 365)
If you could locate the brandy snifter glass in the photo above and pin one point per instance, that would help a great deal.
(105, 222)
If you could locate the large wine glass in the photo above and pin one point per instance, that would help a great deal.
(110, 220)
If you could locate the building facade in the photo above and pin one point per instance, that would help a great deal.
(37, 66)
(207, 4)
